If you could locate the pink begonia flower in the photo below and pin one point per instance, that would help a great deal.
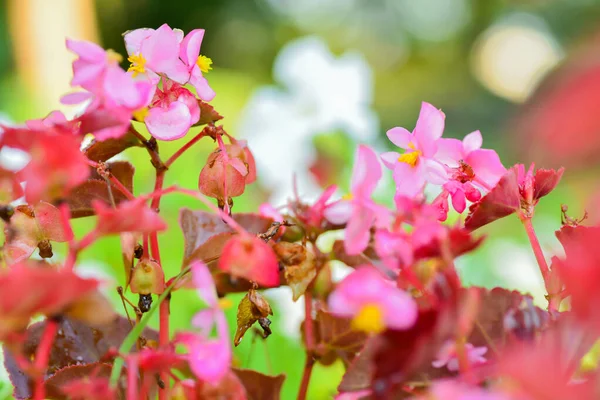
(373, 302)
(447, 356)
(153, 52)
(357, 210)
(418, 164)
(172, 112)
(115, 95)
(209, 358)
(394, 248)
(197, 64)
(468, 162)
(314, 216)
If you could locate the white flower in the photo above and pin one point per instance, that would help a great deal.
(318, 93)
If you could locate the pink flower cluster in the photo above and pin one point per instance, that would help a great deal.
(151, 90)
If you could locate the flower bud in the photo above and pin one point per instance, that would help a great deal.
(147, 278)
(250, 258)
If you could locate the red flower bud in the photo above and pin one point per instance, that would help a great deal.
(250, 258)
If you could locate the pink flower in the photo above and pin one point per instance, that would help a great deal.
(447, 356)
(394, 248)
(250, 258)
(357, 210)
(197, 64)
(457, 390)
(373, 302)
(172, 112)
(417, 165)
(209, 358)
(129, 216)
(115, 95)
(153, 52)
(468, 162)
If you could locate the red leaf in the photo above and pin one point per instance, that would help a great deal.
(501, 201)
(259, 386)
(545, 181)
(27, 291)
(75, 344)
(102, 151)
(129, 216)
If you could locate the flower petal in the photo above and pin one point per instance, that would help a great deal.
(430, 127)
(366, 172)
(203, 89)
(400, 137)
(487, 167)
(339, 212)
(134, 39)
(170, 123)
(390, 159)
(472, 141)
(190, 47)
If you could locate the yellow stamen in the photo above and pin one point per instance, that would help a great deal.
(140, 114)
(369, 319)
(204, 63)
(347, 196)
(138, 64)
(225, 303)
(410, 157)
(114, 56)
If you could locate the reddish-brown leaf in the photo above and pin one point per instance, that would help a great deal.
(259, 386)
(75, 344)
(199, 226)
(85, 382)
(501, 201)
(545, 181)
(102, 151)
(208, 114)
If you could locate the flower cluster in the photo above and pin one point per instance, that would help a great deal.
(401, 322)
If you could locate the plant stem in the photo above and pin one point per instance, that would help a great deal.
(308, 366)
(553, 299)
(132, 378)
(121, 187)
(135, 333)
(42, 355)
(163, 341)
(183, 148)
(309, 341)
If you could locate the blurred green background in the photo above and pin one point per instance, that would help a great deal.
(480, 61)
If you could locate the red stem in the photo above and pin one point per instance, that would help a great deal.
(541, 260)
(308, 366)
(42, 356)
(121, 187)
(183, 148)
(163, 340)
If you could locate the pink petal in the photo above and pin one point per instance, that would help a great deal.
(430, 127)
(161, 51)
(400, 309)
(339, 212)
(75, 98)
(192, 104)
(435, 172)
(86, 75)
(87, 51)
(366, 172)
(203, 281)
(487, 167)
(409, 180)
(204, 320)
(121, 88)
(170, 123)
(204, 91)
(400, 137)
(450, 151)
(134, 39)
(390, 159)
(238, 165)
(210, 359)
(458, 201)
(472, 141)
(357, 232)
(190, 46)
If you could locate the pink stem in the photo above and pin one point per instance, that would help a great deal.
(309, 340)
(42, 356)
(121, 187)
(183, 148)
(543, 265)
